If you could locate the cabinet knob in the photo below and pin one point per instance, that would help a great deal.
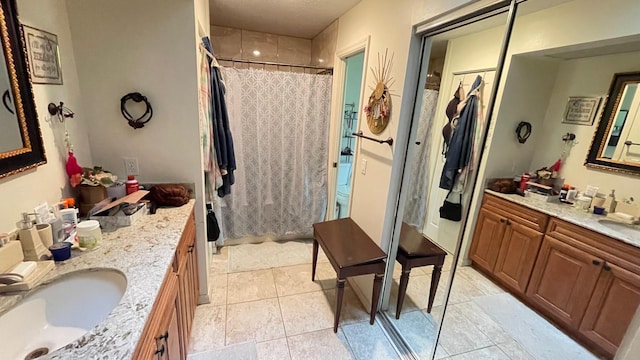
(190, 249)
(508, 222)
(503, 220)
(595, 262)
(160, 351)
(606, 267)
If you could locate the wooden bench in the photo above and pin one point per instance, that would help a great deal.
(416, 250)
(351, 253)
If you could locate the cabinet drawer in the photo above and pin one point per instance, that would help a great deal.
(610, 250)
(518, 213)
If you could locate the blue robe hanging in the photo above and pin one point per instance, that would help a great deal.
(461, 146)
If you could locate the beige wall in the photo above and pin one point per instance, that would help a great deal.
(370, 191)
(122, 52)
(323, 46)
(233, 43)
(49, 182)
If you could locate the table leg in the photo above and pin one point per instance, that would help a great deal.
(314, 261)
(404, 281)
(435, 279)
(377, 286)
(339, 295)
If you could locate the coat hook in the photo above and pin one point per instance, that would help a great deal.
(62, 111)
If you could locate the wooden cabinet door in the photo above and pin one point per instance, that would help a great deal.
(563, 280)
(173, 339)
(517, 255)
(611, 308)
(487, 238)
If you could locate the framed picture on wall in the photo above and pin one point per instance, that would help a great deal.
(581, 110)
(44, 56)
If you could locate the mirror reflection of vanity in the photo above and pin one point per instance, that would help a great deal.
(616, 142)
(21, 146)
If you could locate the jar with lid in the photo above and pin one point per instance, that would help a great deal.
(89, 234)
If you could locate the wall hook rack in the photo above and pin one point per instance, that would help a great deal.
(361, 135)
(62, 111)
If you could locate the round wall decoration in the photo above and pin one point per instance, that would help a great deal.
(378, 108)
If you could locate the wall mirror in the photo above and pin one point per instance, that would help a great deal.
(616, 142)
(21, 146)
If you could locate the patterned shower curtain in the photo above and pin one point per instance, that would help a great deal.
(280, 123)
(415, 210)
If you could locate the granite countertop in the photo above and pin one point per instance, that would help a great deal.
(142, 252)
(570, 214)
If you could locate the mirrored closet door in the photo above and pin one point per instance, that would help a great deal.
(482, 274)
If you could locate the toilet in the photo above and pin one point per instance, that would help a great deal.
(343, 190)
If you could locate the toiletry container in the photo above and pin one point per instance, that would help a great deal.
(30, 240)
(132, 184)
(46, 234)
(89, 234)
(69, 222)
(61, 251)
(583, 203)
(610, 202)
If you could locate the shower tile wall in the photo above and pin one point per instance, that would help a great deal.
(233, 43)
(323, 46)
(241, 44)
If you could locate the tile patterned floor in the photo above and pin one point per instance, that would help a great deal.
(472, 328)
(260, 296)
(265, 298)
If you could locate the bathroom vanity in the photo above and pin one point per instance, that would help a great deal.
(566, 264)
(152, 320)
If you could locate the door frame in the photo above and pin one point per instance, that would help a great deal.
(335, 127)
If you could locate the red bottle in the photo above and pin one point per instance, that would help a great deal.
(132, 184)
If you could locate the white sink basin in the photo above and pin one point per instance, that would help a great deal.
(60, 312)
(628, 230)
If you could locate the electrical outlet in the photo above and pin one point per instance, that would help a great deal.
(131, 166)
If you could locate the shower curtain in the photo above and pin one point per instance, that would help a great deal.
(415, 210)
(280, 123)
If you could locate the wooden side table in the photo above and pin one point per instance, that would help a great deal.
(417, 250)
(351, 253)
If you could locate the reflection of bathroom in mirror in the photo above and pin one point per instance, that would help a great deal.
(21, 145)
(428, 243)
(10, 134)
(616, 143)
(509, 285)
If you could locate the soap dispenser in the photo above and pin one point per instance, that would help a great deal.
(31, 244)
(610, 202)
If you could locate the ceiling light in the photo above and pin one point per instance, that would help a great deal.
(321, 60)
(256, 52)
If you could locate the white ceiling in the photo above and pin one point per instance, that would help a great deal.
(300, 18)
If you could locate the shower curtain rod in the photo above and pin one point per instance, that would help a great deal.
(274, 63)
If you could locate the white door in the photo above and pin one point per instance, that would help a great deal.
(445, 232)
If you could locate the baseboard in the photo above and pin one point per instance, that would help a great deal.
(204, 299)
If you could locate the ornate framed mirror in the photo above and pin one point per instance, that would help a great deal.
(616, 142)
(21, 146)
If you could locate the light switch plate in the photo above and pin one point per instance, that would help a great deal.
(363, 167)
